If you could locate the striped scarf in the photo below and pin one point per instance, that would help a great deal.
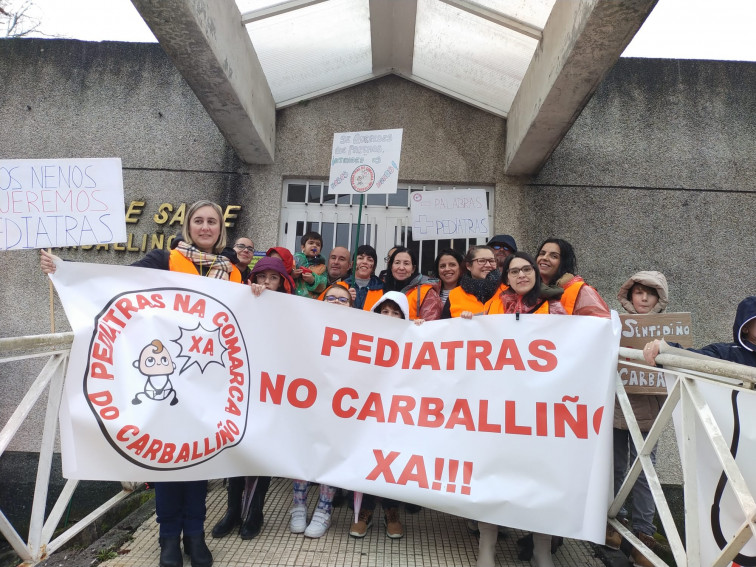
(210, 265)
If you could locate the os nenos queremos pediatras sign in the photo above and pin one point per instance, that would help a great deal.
(365, 162)
(52, 203)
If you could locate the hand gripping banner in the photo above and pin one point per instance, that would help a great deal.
(177, 377)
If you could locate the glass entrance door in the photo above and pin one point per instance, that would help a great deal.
(385, 222)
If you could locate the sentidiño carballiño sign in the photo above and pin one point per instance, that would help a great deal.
(637, 330)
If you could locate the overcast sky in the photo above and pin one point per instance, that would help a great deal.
(680, 29)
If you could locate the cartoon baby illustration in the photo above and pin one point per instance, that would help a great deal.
(156, 364)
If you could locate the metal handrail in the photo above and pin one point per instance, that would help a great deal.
(688, 369)
(41, 531)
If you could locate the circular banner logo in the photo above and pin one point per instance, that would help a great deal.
(167, 377)
(363, 178)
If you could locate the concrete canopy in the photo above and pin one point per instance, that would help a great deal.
(537, 66)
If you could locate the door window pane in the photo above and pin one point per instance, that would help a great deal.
(427, 256)
(313, 193)
(296, 193)
(377, 200)
(398, 199)
(364, 237)
(342, 234)
(327, 197)
(327, 232)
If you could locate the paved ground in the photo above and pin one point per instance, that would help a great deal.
(431, 538)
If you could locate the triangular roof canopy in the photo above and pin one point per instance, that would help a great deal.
(534, 62)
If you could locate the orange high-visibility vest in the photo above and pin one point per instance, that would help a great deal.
(569, 296)
(416, 296)
(495, 298)
(180, 263)
(494, 306)
(373, 295)
(459, 301)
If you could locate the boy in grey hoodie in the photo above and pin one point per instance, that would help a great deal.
(644, 292)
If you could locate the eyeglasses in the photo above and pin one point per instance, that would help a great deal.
(499, 247)
(242, 247)
(336, 298)
(525, 271)
(484, 261)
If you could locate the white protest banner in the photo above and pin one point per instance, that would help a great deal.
(365, 162)
(449, 214)
(719, 514)
(174, 376)
(51, 203)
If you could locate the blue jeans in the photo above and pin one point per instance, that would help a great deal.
(644, 508)
(180, 507)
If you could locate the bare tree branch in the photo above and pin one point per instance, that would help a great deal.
(17, 21)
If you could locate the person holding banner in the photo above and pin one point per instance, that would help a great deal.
(475, 287)
(270, 273)
(558, 264)
(246, 495)
(522, 292)
(391, 304)
(403, 276)
(449, 268)
(644, 292)
(180, 505)
(741, 350)
(336, 294)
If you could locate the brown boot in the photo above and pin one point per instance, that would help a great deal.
(613, 537)
(639, 560)
(394, 528)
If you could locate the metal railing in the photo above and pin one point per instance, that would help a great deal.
(689, 371)
(42, 539)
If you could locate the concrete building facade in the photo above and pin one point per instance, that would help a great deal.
(658, 172)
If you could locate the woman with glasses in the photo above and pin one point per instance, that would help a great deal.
(522, 291)
(243, 253)
(476, 286)
(338, 294)
(557, 263)
(403, 276)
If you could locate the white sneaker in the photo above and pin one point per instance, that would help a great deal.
(319, 524)
(298, 521)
